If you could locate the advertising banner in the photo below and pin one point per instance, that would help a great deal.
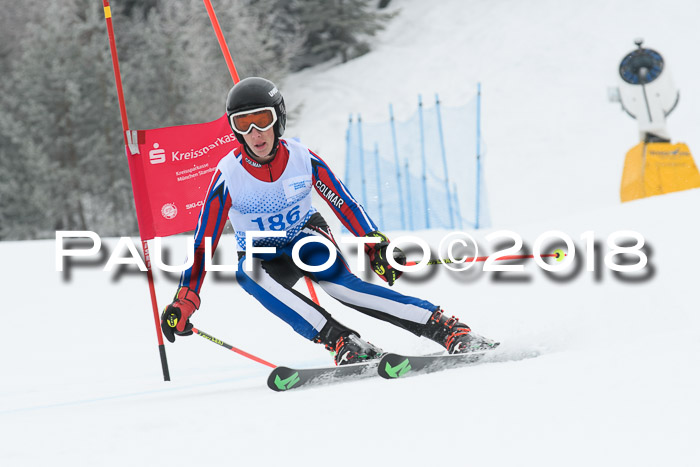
(170, 172)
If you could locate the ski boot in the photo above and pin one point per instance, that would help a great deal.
(351, 349)
(346, 344)
(456, 337)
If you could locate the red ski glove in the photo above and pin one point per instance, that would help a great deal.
(378, 260)
(176, 316)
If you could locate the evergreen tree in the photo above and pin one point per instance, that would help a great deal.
(172, 65)
(169, 68)
(61, 121)
(279, 33)
(61, 141)
(338, 28)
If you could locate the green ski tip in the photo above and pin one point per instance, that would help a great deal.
(398, 370)
(284, 384)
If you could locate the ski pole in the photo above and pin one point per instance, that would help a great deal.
(223, 344)
(558, 254)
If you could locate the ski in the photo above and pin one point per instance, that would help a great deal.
(284, 378)
(392, 365)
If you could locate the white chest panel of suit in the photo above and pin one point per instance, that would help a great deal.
(283, 205)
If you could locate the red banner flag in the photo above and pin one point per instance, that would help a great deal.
(170, 172)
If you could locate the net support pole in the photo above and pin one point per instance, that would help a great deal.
(362, 159)
(424, 162)
(394, 143)
(378, 174)
(444, 159)
(478, 155)
(408, 194)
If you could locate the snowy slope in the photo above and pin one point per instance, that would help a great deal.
(615, 382)
(545, 67)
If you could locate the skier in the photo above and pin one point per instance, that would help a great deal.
(265, 185)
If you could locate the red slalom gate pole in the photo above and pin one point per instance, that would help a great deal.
(312, 291)
(144, 243)
(232, 348)
(222, 41)
(558, 254)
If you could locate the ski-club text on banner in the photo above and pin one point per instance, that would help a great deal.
(170, 172)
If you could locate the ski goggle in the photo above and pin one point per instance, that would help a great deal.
(262, 118)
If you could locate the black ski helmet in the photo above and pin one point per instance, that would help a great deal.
(252, 93)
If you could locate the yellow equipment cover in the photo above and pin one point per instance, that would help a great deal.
(658, 168)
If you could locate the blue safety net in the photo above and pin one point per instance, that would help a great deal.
(425, 172)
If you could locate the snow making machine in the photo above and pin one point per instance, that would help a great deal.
(646, 92)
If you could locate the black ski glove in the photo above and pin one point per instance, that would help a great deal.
(378, 260)
(176, 316)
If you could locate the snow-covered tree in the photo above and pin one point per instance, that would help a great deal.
(338, 28)
(61, 141)
(61, 118)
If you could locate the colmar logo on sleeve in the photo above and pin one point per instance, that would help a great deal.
(329, 194)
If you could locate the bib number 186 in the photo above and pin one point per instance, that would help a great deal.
(279, 221)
